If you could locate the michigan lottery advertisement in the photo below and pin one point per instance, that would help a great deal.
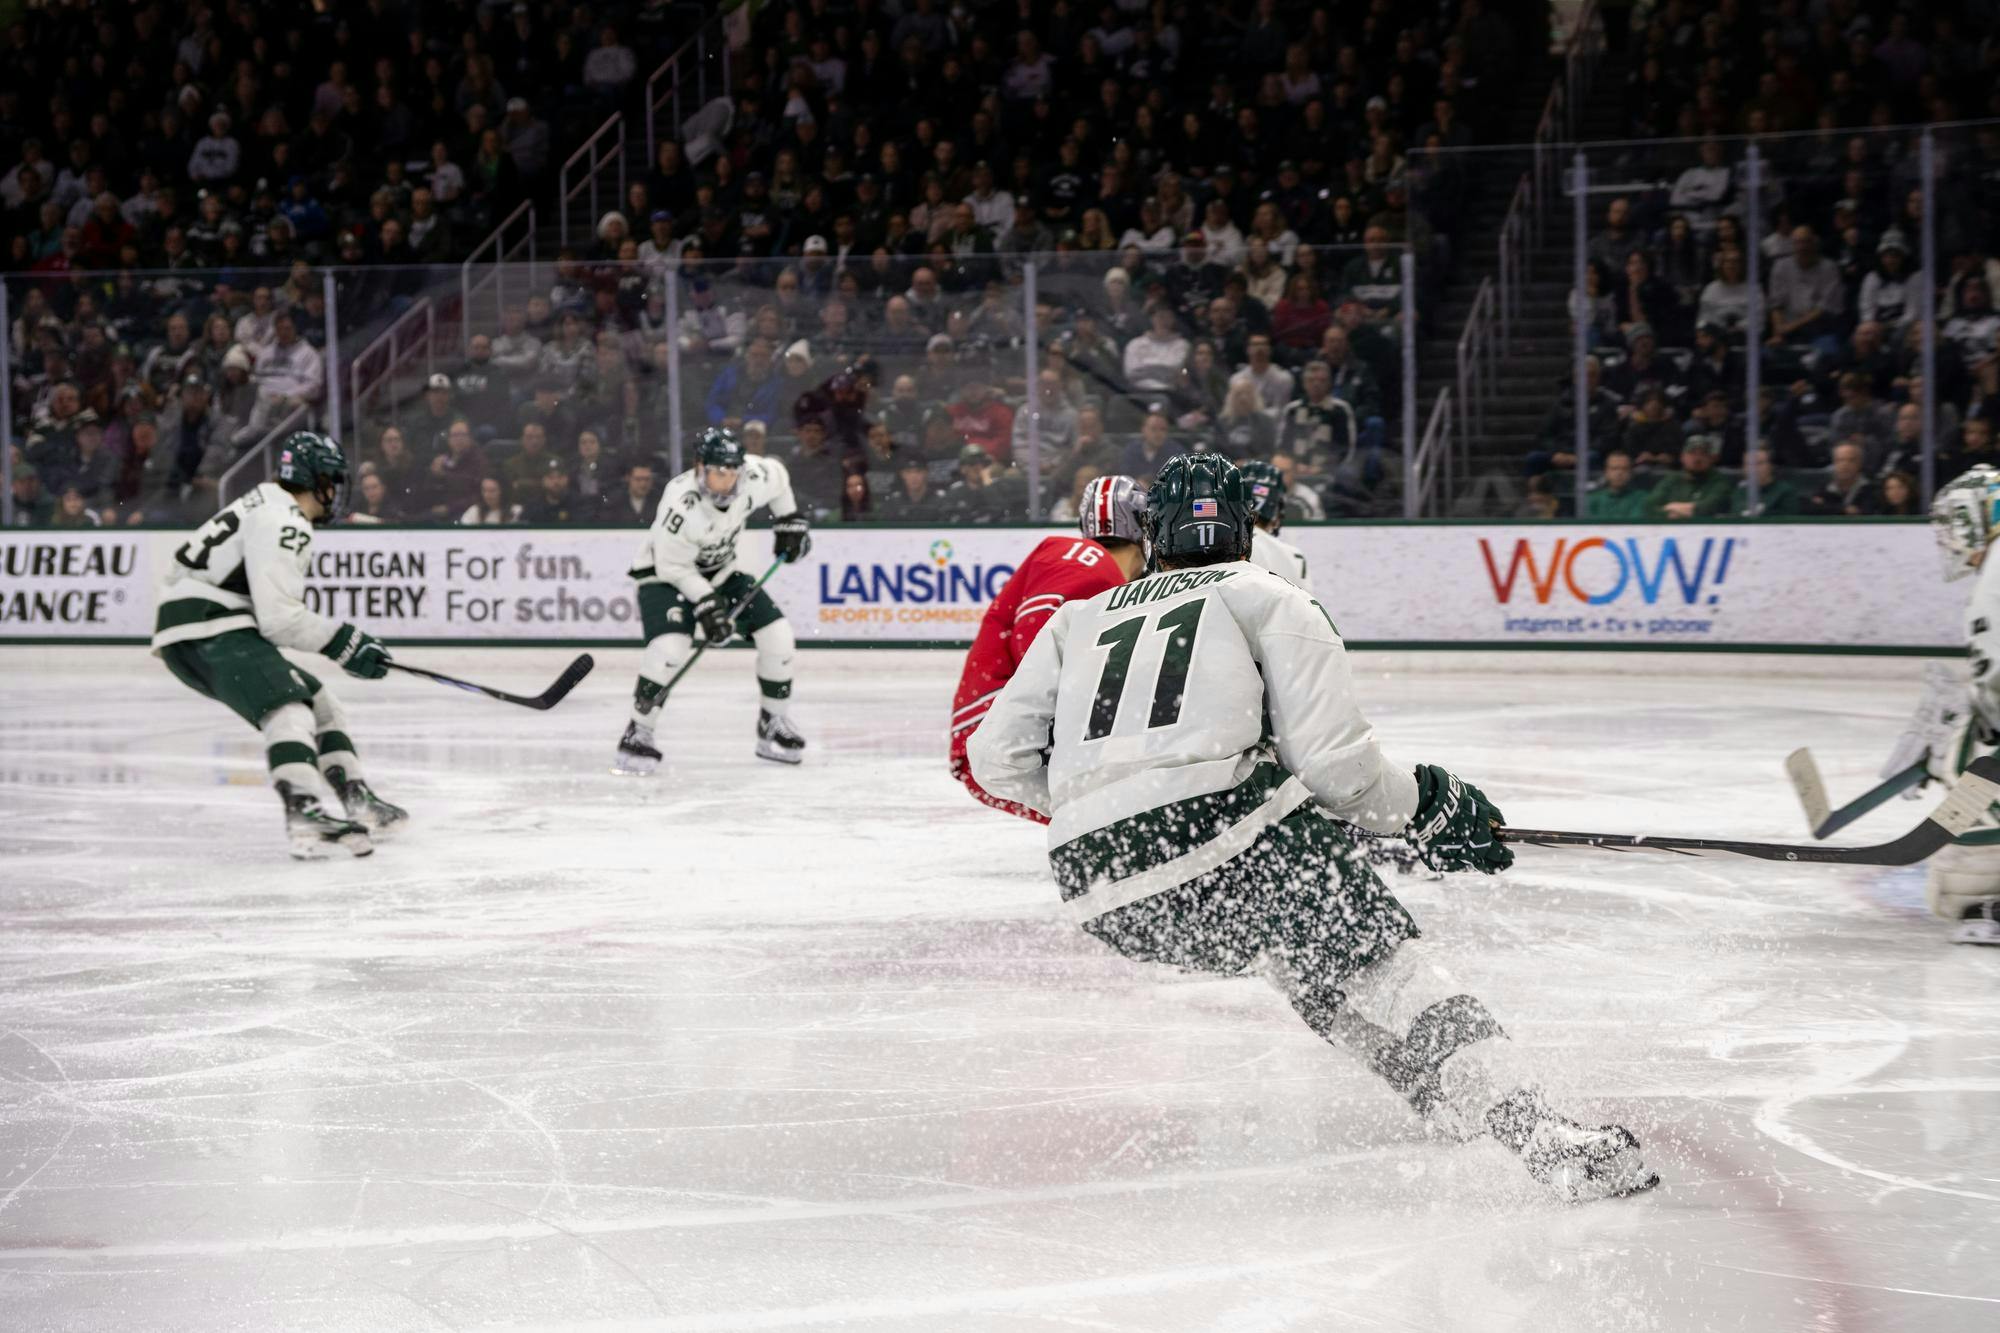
(1869, 585)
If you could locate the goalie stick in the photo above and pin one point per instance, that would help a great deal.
(1963, 806)
(547, 699)
(1821, 817)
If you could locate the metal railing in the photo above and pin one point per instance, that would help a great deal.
(1478, 363)
(392, 351)
(1515, 255)
(1432, 468)
(261, 452)
(688, 63)
(472, 289)
(602, 150)
(1580, 60)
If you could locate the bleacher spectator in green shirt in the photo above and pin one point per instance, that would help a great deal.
(1697, 490)
(1776, 497)
(1616, 499)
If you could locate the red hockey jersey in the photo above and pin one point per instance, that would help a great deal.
(1058, 570)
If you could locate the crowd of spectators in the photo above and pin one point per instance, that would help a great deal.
(1212, 195)
(1829, 96)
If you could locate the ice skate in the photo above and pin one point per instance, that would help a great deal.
(364, 807)
(637, 756)
(314, 833)
(778, 739)
(1980, 923)
(1578, 1163)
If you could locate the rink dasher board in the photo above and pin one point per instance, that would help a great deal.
(1826, 586)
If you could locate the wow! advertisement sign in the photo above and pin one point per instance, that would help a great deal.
(1866, 585)
(1823, 585)
(1659, 584)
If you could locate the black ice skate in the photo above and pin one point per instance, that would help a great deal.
(1979, 923)
(364, 807)
(778, 739)
(637, 757)
(1577, 1163)
(314, 833)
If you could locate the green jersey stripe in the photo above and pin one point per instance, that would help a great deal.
(1138, 843)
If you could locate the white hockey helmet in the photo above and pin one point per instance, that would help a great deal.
(1965, 517)
(1110, 509)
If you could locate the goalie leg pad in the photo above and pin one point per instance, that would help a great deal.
(1960, 879)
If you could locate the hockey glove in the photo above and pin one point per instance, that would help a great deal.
(358, 653)
(1453, 826)
(793, 538)
(1928, 737)
(716, 617)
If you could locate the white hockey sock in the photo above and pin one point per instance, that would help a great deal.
(776, 707)
(336, 749)
(776, 646)
(288, 746)
(1432, 1042)
(662, 657)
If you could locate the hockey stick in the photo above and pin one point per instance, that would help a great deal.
(1821, 817)
(547, 699)
(734, 611)
(1963, 806)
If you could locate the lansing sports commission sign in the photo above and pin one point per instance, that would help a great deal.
(1829, 585)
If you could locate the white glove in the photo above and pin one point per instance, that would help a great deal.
(1933, 725)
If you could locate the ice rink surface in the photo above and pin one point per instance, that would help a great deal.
(753, 1048)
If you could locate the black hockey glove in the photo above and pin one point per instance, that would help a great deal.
(1453, 826)
(716, 617)
(358, 653)
(793, 538)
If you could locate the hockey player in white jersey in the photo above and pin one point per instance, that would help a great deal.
(1956, 724)
(688, 579)
(1194, 740)
(235, 594)
(1267, 510)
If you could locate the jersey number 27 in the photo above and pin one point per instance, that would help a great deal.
(1122, 639)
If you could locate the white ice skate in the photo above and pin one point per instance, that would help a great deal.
(315, 834)
(1980, 923)
(637, 756)
(1578, 1163)
(778, 739)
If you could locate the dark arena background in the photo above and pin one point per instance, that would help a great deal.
(1616, 382)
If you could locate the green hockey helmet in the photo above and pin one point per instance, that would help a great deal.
(1267, 494)
(1198, 511)
(312, 463)
(716, 447)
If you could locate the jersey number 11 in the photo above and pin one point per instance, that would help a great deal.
(1122, 639)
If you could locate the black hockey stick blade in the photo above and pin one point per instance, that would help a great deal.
(1821, 817)
(544, 701)
(1963, 807)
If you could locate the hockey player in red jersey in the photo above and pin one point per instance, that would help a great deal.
(1060, 569)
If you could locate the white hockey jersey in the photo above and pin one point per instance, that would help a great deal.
(1177, 687)
(1281, 558)
(692, 543)
(244, 569)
